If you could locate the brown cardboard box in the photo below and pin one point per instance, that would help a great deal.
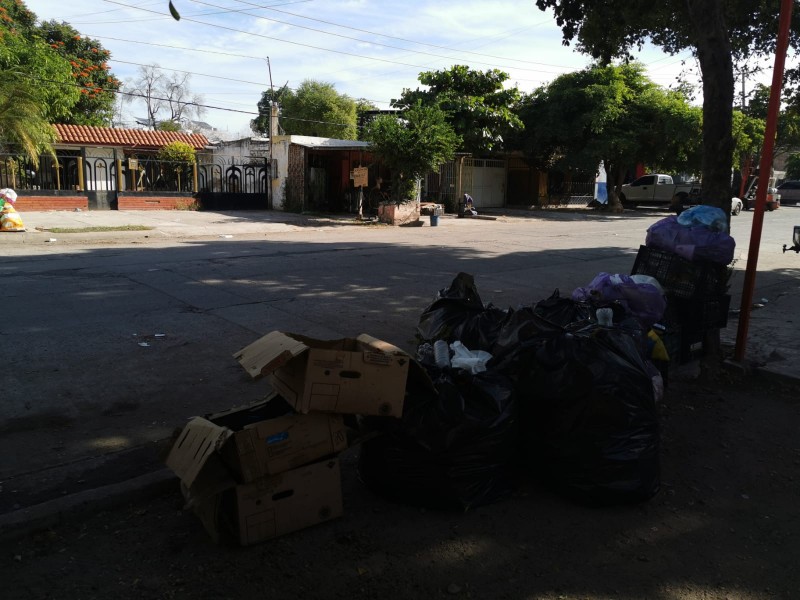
(287, 502)
(362, 376)
(272, 506)
(270, 438)
(257, 440)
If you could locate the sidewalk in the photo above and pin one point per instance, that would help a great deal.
(773, 347)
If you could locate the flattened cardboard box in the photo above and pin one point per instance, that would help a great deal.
(253, 441)
(287, 502)
(361, 376)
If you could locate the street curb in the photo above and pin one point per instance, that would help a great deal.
(54, 512)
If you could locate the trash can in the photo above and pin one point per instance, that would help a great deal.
(435, 214)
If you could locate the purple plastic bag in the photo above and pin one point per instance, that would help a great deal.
(643, 301)
(692, 243)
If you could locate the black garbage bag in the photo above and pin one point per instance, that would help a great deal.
(588, 419)
(458, 314)
(454, 447)
(520, 326)
(563, 311)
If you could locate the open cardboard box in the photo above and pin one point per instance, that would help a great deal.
(361, 376)
(253, 441)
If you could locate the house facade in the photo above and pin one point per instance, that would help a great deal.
(102, 168)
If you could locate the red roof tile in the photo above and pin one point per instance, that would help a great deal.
(85, 135)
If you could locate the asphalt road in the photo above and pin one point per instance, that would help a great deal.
(112, 340)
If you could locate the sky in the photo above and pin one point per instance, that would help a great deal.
(371, 49)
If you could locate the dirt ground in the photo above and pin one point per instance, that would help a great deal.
(725, 525)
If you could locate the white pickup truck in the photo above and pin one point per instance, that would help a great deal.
(656, 188)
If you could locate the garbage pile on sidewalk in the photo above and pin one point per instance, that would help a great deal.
(9, 217)
(563, 392)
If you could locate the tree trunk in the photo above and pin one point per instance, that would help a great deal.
(714, 54)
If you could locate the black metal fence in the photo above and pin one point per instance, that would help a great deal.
(249, 175)
(140, 173)
(17, 171)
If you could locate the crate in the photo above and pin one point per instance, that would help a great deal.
(679, 277)
(700, 314)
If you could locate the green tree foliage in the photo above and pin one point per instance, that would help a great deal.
(314, 108)
(90, 71)
(480, 110)
(168, 126)
(718, 32)
(793, 166)
(788, 134)
(177, 152)
(22, 122)
(612, 114)
(29, 61)
(411, 145)
(261, 123)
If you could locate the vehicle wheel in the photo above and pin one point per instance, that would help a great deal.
(736, 210)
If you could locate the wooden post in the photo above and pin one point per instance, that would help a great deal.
(195, 186)
(81, 180)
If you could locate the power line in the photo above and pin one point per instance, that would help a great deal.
(371, 33)
(195, 104)
(342, 52)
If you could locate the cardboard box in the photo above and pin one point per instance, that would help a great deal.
(257, 440)
(361, 376)
(254, 512)
(287, 502)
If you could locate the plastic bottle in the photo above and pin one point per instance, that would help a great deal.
(441, 354)
(605, 317)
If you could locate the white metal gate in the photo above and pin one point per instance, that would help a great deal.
(485, 181)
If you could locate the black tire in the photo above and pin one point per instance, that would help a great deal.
(736, 210)
(625, 203)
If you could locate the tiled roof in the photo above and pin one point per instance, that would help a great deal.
(85, 135)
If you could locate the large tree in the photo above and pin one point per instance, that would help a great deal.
(411, 145)
(165, 96)
(479, 107)
(718, 32)
(90, 71)
(27, 59)
(314, 108)
(614, 115)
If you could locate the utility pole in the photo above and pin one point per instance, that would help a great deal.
(270, 203)
(744, 78)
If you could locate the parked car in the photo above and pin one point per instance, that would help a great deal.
(736, 206)
(790, 192)
(658, 188)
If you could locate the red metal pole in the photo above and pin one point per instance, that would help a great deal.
(764, 172)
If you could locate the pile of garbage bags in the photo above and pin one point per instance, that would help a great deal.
(564, 391)
(562, 399)
(9, 217)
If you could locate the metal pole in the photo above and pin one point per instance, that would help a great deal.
(764, 171)
(270, 176)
